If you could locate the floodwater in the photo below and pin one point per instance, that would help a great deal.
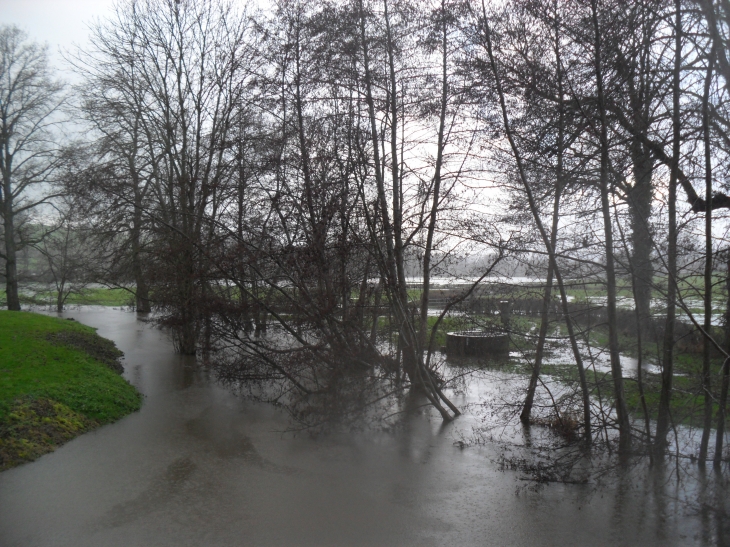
(198, 466)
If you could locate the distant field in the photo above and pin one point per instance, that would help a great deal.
(41, 295)
(102, 296)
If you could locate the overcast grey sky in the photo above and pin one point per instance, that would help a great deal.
(59, 23)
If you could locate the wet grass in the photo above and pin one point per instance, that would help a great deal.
(102, 296)
(99, 296)
(686, 404)
(58, 379)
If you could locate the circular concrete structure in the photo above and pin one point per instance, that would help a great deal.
(476, 343)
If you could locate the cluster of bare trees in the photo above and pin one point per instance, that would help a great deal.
(293, 169)
(612, 113)
(282, 167)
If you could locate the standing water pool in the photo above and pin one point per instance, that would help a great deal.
(198, 466)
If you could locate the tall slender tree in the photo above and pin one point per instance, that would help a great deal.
(29, 108)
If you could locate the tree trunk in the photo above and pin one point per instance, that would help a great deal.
(640, 195)
(526, 413)
(547, 296)
(59, 296)
(640, 338)
(436, 192)
(706, 379)
(622, 415)
(640, 204)
(663, 417)
(408, 333)
(538, 221)
(187, 316)
(11, 261)
(142, 295)
(391, 261)
(722, 410)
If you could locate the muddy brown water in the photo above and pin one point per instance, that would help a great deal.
(198, 466)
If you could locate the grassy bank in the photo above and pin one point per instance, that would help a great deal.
(99, 296)
(58, 379)
(42, 294)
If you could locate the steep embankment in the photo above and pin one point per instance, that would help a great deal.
(58, 379)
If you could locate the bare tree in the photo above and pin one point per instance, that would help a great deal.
(522, 146)
(29, 101)
(65, 250)
(162, 87)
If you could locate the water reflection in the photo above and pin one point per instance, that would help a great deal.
(200, 466)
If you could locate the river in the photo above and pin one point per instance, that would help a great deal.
(199, 466)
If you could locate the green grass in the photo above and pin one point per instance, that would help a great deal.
(686, 404)
(100, 296)
(56, 381)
